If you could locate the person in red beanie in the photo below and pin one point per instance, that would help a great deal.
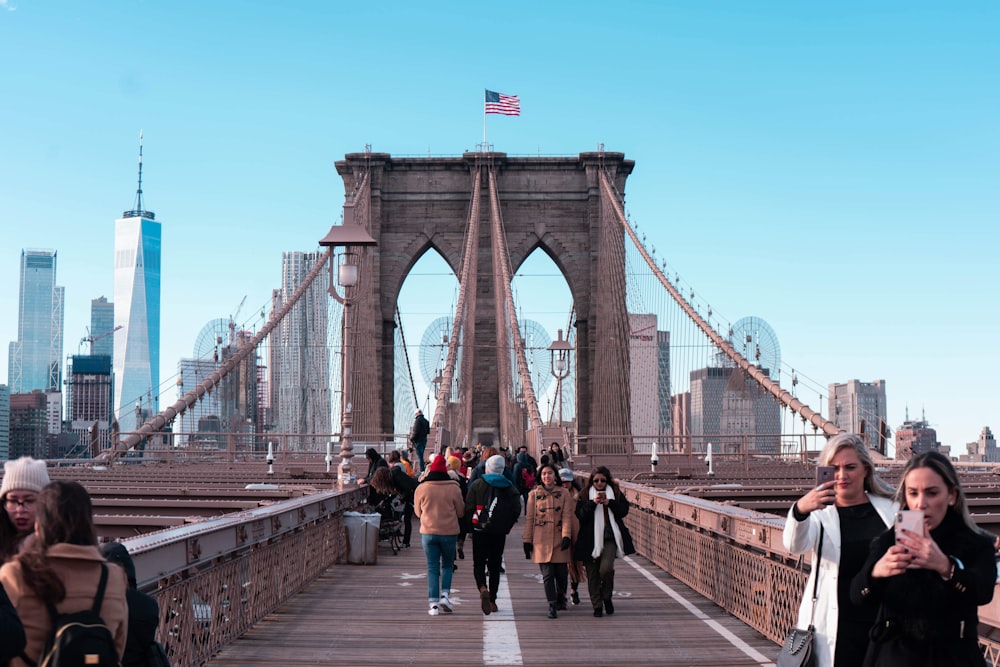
(438, 504)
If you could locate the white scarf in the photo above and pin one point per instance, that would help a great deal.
(599, 525)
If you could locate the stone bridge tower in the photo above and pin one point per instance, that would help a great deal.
(551, 203)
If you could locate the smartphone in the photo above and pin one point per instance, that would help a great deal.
(824, 474)
(911, 520)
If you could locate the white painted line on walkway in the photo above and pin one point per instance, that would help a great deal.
(738, 643)
(501, 645)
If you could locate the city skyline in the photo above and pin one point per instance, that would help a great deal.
(831, 170)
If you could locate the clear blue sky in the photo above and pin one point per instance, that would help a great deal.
(832, 167)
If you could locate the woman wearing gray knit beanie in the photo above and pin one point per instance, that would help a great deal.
(23, 480)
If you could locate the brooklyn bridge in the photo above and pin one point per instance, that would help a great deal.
(251, 546)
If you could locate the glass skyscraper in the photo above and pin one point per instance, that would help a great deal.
(136, 355)
(300, 359)
(35, 359)
(102, 324)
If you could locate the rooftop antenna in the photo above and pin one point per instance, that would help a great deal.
(138, 212)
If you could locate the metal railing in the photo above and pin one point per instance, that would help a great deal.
(214, 580)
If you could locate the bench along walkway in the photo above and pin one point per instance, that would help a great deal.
(377, 615)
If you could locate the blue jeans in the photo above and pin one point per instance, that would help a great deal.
(420, 446)
(440, 553)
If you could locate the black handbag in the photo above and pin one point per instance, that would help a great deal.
(797, 651)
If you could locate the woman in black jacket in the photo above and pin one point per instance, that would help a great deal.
(603, 536)
(375, 461)
(928, 584)
(143, 610)
(11, 630)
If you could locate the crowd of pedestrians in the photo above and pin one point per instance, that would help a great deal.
(573, 532)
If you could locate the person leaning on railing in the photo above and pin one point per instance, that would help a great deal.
(852, 509)
(928, 585)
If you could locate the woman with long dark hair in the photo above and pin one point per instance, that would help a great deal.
(547, 534)
(390, 482)
(928, 584)
(603, 536)
(62, 566)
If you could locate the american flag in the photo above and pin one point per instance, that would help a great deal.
(508, 105)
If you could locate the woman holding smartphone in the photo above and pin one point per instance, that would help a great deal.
(928, 584)
(602, 537)
(849, 511)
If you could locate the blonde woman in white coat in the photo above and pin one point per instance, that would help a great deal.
(852, 509)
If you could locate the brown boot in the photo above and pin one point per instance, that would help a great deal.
(484, 597)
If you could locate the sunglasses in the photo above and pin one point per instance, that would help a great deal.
(600, 479)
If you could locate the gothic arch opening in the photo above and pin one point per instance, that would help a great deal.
(544, 303)
(426, 305)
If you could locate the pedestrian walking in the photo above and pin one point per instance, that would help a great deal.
(548, 533)
(603, 536)
(491, 510)
(438, 504)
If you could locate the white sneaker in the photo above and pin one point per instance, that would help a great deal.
(433, 611)
(445, 604)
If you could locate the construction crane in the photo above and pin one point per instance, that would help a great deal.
(232, 320)
(89, 338)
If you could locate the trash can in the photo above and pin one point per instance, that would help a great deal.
(362, 537)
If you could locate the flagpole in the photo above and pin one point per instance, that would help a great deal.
(484, 120)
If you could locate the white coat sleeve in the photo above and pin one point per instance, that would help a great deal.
(800, 536)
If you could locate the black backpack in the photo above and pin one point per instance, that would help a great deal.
(157, 656)
(499, 512)
(80, 639)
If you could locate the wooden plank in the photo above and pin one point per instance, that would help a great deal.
(377, 615)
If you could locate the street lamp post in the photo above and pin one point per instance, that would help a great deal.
(559, 352)
(348, 275)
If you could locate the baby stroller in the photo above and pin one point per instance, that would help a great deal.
(391, 526)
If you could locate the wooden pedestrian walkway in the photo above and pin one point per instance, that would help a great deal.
(376, 615)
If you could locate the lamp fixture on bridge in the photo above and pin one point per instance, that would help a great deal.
(559, 353)
(348, 275)
(348, 271)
